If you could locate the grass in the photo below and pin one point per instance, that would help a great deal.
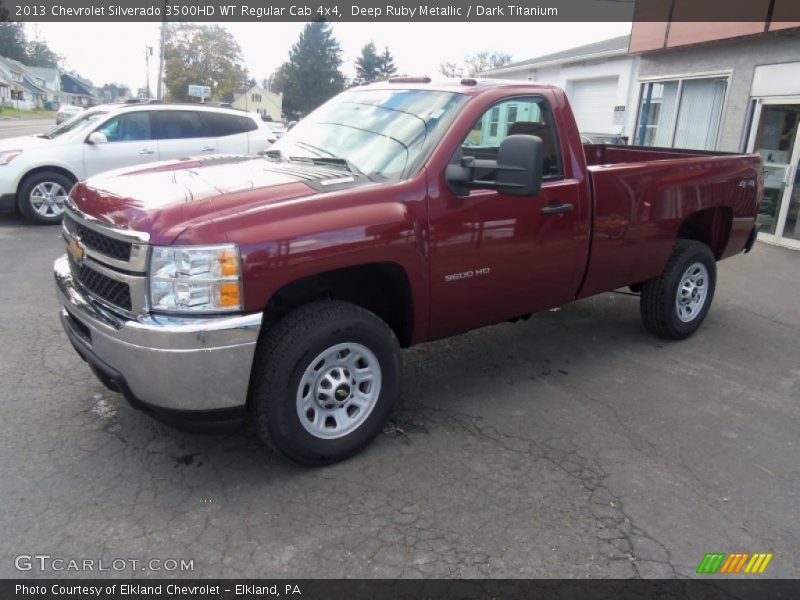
(7, 111)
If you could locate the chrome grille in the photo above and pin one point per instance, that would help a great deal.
(109, 263)
(108, 246)
(116, 293)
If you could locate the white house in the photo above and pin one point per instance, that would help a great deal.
(599, 79)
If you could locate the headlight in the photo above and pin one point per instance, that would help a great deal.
(196, 279)
(9, 155)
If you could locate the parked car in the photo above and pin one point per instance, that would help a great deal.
(278, 128)
(281, 289)
(610, 139)
(36, 172)
(65, 113)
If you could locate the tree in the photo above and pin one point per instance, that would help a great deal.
(39, 55)
(312, 72)
(474, 64)
(277, 81)
(202, 55)
(13, 43)
(386, 66)
(368, 64)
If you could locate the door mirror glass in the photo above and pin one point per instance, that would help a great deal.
(97, 137)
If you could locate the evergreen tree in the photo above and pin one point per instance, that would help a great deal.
(40, 55)
(313, 72)
(368, 64)
(386, 66)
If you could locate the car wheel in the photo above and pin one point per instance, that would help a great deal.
(42, 196)
(324, 380)
(674, 304)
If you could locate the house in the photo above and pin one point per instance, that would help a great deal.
(112, 92)
(730, 86)
(26, 89)
(598, 79)
(77, 91)
(258, 99)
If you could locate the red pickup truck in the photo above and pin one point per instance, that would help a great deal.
(282, 288)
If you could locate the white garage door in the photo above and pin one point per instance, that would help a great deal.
(593, 103)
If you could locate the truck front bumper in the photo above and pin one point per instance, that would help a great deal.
(180, 368)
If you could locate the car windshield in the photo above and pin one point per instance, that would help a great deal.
(76, 123)
(377, 132)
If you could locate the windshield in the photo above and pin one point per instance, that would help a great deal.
(75, 123)
(379, 132)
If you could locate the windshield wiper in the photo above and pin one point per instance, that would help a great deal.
(46, 136)
(333, 161)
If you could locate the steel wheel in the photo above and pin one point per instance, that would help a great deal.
(48, 198)
(338, 390)
(692, 292)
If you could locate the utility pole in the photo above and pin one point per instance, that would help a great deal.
(148, 50)
(159, 90)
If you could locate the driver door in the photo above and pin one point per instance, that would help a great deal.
(495, 256)
(130, 141)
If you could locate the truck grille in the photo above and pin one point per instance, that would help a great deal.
(116, 293)
(116, 249)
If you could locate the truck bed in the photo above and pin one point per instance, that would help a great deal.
(642, 196)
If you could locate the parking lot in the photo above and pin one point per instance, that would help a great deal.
(570, 445)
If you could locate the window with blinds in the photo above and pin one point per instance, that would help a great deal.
(681, 113)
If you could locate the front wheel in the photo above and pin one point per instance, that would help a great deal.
(674, 304)
(42, 196)
(325, 378)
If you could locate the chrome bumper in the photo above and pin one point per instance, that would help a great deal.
(172, 363)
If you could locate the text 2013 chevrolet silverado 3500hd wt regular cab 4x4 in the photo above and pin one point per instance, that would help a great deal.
(283, 287)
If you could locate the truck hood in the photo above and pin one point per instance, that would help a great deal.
(164, 199)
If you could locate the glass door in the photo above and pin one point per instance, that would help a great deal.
(775, 137)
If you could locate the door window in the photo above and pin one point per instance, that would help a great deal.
(222, 124)
(129, 127)
(775, 141)
(181, 124)
(526, 116)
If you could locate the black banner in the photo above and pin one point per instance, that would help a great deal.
(228, 589)
(397, 11)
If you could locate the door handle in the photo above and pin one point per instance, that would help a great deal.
(557, 209)
(147, 151)
(206, 149)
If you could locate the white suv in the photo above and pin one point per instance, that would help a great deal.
(37, 172)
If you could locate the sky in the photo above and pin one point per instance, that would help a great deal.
(115, 52)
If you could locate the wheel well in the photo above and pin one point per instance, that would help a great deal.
(382, 288)
(711, 226)
(61, 170)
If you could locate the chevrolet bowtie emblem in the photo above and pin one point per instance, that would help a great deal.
(75, 250)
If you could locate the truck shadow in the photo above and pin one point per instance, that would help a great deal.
(452, 375)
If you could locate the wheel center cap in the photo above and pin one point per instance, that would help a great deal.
(342, 392)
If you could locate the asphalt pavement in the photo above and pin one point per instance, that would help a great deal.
(571, 445)
(18, 127)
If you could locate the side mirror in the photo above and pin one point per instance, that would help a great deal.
(516, 172)
(97, 137)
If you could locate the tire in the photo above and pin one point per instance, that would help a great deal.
(304, 401)
(691, 273)
(47, 187)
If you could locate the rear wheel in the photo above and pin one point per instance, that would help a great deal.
(675, 304)
(41, 196)
(325, 379)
